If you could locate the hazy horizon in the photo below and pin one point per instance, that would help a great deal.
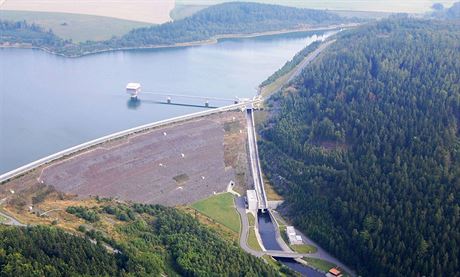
(411, 6)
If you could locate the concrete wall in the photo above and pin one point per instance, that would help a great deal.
(273, 205)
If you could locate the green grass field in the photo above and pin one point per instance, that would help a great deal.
(319, 264)
(2, 219)
(304, 248)
(220, 208)
(77, 27)
(251, 219)
(252, 240)
(283, 234)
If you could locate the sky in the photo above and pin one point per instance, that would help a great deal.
(411, 6)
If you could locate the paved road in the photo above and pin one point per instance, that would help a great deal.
(241, 208)
(310, 57)
(321, 253)
(11, 220)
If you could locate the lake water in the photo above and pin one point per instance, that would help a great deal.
(49, 103)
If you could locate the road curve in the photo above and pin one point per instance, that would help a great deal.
(11, 220)
(241, 208)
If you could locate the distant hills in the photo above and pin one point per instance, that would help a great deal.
(225, 19)
(450, 13)
(230, 18)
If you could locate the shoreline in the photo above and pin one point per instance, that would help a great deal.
(210, 41)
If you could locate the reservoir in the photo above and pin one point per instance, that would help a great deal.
(49, 103)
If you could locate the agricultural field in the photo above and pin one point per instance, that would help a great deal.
(417, 6)
(77, 27)
(220, 208)
(155, 12)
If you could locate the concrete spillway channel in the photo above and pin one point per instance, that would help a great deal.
(255, 162)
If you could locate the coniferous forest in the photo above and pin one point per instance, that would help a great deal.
(368, 149)
(155, 241)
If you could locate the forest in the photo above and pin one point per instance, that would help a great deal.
(229, 18)
(31, 34)
(368, 150)
(290, 65)
(223, 19)
(155, 241)
(449, 14)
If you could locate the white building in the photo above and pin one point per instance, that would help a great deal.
(133, 89)
(252, 200)
(292, 235)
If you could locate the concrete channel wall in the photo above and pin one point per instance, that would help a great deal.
(28, 167)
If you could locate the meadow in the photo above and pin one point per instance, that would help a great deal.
(78, 27)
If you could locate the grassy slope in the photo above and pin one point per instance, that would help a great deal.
(319, 264)
(77, 27)
(221, 208)
(252, 240)
(251, 219)
(304, 248)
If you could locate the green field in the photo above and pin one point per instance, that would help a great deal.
(220, 208)
(252, 240)
(2, 218)
(251, 219)
(77, 27)
(304, 248)
(283, 234)
(319, 264)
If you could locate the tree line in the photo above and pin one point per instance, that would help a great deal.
(222, 19)
(152, 241)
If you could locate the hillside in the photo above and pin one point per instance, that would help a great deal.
(229, 18)
(450, 13)
(146, 240)
(367, 146)
(237, 18)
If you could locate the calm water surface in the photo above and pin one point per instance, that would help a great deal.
(268, 235)
(49, 103)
